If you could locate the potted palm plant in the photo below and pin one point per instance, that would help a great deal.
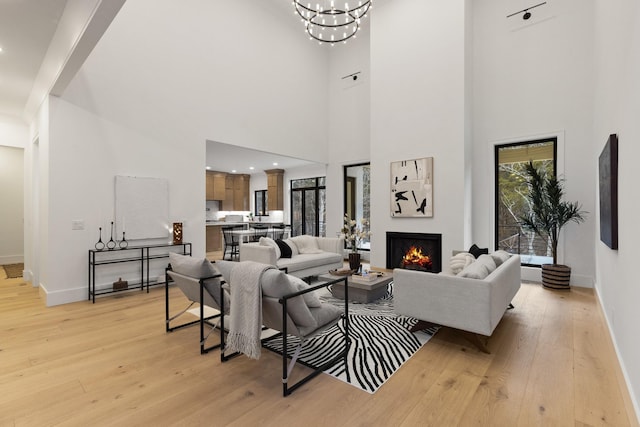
(548, 214)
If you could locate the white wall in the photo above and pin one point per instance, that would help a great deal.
(85, 153)
(349, 116)
(617, 103)
(237, 72)
(418, 110)
(531, 78)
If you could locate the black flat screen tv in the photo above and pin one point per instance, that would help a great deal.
(608, 177)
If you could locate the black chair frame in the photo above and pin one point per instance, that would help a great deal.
(202, 320)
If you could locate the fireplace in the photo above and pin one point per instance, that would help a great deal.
(416, 251)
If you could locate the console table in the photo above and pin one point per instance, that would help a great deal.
(132, 254)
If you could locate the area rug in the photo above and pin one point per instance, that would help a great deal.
(13, 270)
(380, 343)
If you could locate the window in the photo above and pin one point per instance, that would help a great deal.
(308, 201)
(260, 205)
(511, 201)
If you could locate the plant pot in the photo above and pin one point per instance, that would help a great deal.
(354, 260)
(556, 276)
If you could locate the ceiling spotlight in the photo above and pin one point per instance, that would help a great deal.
(526, 14)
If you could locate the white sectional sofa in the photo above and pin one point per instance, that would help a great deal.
(471, 304)
(310, 256)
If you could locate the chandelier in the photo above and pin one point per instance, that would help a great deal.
(332, 21)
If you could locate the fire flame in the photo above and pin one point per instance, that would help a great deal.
(414, 257)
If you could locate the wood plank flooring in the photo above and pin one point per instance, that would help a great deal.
(111, 363)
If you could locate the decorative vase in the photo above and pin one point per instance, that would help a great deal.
(354, 260)
(556, 276)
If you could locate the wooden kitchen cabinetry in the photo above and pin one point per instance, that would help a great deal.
(236, 197)
(216, 189)
(275, 189)
(214, 238)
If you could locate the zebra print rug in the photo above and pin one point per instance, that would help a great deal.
(380, 343)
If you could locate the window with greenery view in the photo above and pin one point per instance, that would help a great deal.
(511, 197)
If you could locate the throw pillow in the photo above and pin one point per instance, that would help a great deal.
(488, 261)
(268, 241)
(292, 245)
(459, 261)
(285, 250)
(310, 298)
(476, 251)
(275, 284)
(306, 244)
(500, 256)
(475, 270)
(190, 266)
(200, 268)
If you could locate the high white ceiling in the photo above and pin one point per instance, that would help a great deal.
(26, 29)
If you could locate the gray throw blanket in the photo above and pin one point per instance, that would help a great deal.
(246, 308)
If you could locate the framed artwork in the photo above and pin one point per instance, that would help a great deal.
(412, 188)
(608, 179)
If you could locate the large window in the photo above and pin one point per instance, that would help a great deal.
(308, 201)
(511, 198)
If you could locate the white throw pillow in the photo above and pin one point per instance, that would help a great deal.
(292, 245)
(268, 241)
(488, 261)
(475, 270)
(310, 298)
(306, 244)
(500, 256)
(459, 261)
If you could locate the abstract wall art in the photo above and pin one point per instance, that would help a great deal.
(608, 179)
(412, 188)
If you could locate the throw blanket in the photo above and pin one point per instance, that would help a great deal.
(246, 308)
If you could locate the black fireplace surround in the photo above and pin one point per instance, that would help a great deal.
(398, 243)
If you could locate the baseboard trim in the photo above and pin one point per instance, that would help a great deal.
(64, 296)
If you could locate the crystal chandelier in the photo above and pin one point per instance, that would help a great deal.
(332, 21)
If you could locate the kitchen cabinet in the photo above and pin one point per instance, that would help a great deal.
(215, 184)
(214, 238)
(236, 197)
(275, 189)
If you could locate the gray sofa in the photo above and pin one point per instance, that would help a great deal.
(310, 256)
(469, 304)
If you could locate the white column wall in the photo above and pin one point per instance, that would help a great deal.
(533, 78)
(617, 103)
(349, 117)
(418, 110)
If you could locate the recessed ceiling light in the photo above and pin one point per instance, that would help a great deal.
(275, 163)
(251, 168)
(0, 49)
(233, 171)
(208, 167)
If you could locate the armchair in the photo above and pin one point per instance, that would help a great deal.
(290, 309)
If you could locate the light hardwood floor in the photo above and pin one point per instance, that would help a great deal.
(111, 363)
